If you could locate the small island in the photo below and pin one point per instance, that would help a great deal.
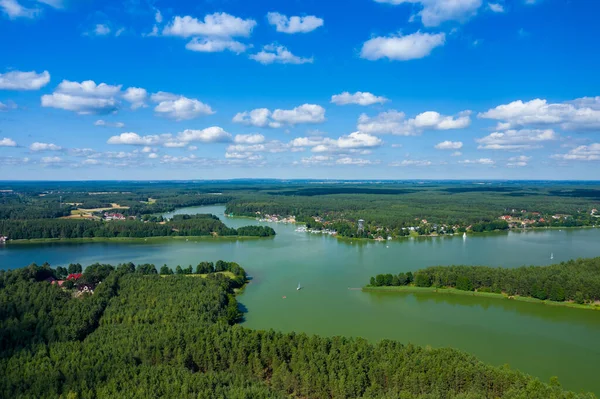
(575, 283)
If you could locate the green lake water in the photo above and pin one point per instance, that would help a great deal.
(540, 340)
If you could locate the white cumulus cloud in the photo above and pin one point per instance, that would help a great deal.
(178, 107)
(44, 147)
(516, 139)
(434, 12)
(402, 48)
(589, 152)
(360, 98)
(294, 24)
(579, 114)
(210, 45)
(6, 142)
(136, 96)
(395, 122)
(496, 7)
(15, 10)
(449, 145)
(217, 24)
(519, 161)
(18, 80)
(275, 54)
(249, 139)
(263, 117)
(86, 97)
(480, 161)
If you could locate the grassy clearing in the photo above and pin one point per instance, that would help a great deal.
(454, 291)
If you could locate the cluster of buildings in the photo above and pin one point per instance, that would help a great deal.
(114, 216)
(304, 229)
(276, 218)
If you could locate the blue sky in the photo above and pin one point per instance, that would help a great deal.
(385, 89)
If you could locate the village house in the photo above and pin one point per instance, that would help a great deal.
(505, 217)
(3, 239)
(113, 216)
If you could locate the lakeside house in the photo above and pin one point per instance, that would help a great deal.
(3, 239)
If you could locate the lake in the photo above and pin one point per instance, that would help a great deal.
(540, 340)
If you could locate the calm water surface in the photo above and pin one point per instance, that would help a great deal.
(541, 340)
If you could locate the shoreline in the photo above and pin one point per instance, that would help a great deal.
(454, 291)
(131, 239)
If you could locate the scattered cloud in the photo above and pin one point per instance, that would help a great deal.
(496, 7)
(263, 117)
(6, 142)
(217, 24)
(294, 24)
(178, 107)
(394, 122)
(353, 141)
(516, 139)
(14, 10)
(435, 12)
(315, 160)
(519, 161)
(103, 123)
(249, 139)
(84, 98)
(101, 30)
(456, 154)
(136, 96)
(353, 161)
(17, 80)
(212, 134)
(582, 153)
(38, 147)
(276, 54)
(412, 162)
(51, 160)
(480, 161)
(360, 98)
(579, 114)
(449, 145)
(208, 45)
(402, 48)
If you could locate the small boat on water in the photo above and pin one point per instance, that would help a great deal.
(464, 235)
(552, 256)
(299, 287)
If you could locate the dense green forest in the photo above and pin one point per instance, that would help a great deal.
(180, 225)
(395, 208)
(575, 280)
(143, 335)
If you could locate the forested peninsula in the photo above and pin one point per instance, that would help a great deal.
(180, 225)
(134, 333)
(572, 282)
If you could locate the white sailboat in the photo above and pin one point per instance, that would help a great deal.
(552, 256)
(464, 236)
(299, 287)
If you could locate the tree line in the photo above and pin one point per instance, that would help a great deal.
(182, 225)
(575, 280)
(176, 337)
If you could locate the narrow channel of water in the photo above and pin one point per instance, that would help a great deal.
(541, 340)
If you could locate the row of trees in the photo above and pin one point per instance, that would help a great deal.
(194, 225)
(575, 280)
(174, 337)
